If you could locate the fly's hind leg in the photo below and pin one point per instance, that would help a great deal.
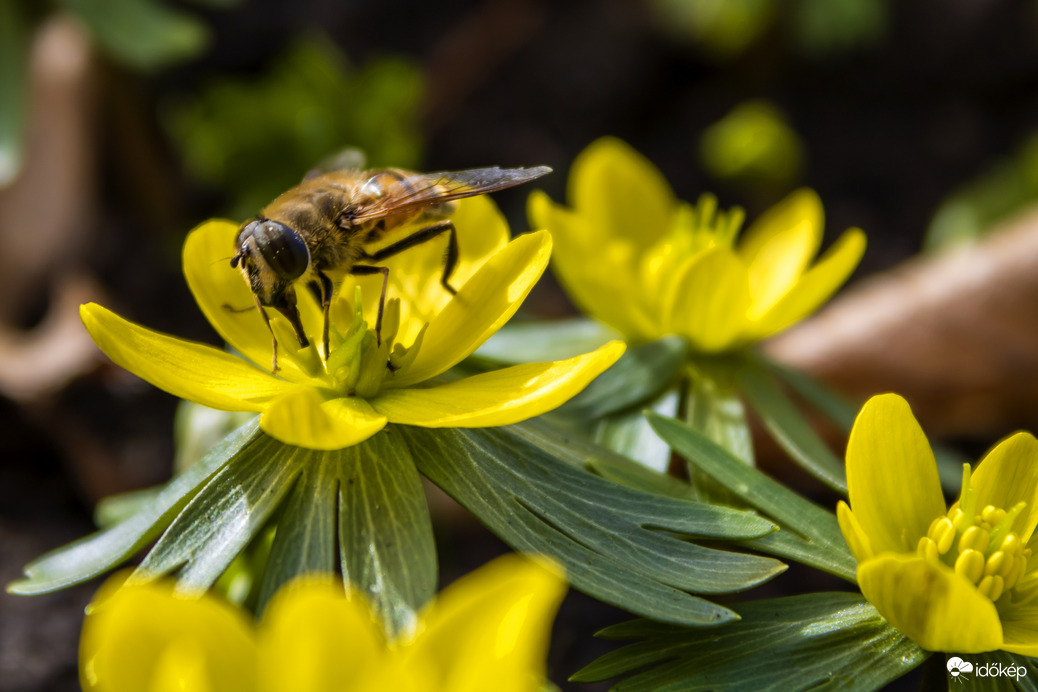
(364, 270)
(321, 287)
(422, 236)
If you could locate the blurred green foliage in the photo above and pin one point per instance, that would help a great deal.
(727, 28)
(142, 35)
(753, 144)
(972, 210)
(255, 138)
(821, 27)
(13, 88)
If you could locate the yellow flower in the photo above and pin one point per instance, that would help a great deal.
(963, 579)
(487, 631)
(363, 384)
(637, 259)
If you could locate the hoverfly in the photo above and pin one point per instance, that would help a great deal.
(327, 223)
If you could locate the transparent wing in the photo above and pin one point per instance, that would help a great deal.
(413, 191)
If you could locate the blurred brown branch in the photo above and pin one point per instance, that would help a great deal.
(955, 333)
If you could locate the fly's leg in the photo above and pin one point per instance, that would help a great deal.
(274, 339)
(422, 236)
(365, 270)
(321, 288)
(417, 238)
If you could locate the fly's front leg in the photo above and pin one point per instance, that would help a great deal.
(321, 287)
(364, 270)
(421, 236)
(274, 339)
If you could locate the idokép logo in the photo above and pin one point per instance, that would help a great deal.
(960, 670)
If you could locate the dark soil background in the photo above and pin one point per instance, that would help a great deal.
(890, 129)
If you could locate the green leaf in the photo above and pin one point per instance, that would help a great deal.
(304, 540)
(141, 33)
(579, 452)
(819, 640)
(225, 514)
(822, 545)
(835, 407)
(534, 342)
(97, 553)
(385, 532)
(1026, 679)
(116, 508)
(629, 434)
(638, 377)
(14, 89)
(619, 545)
(713, 407)
(789, 428)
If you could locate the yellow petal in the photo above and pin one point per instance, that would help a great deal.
(1020, 630)
(1008, 475)
(313, 639)
(801, 208)
(500, 397)
(227, 302)
(931, 604)
(779, 248)
(620, 193)
(480, 308)
(815, 286)
(709, 299)
(857, 540)
(597, 272)
(133, 635)
(186, 369)
(303, 419)
(891, 475)
(489, 630)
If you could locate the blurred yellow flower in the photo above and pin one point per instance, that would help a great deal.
(334, 403)
(637, 259)
(964, 579)
(487, 631)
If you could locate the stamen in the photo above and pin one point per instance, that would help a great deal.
(974, 538)
(970, 564)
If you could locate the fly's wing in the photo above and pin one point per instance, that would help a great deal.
(416, 190)
(350, 158)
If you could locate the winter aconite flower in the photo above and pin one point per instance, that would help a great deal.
(368, 380)
(487, 631)
(962, 579)
(634, 257)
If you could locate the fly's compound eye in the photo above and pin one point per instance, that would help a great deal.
(281, 248)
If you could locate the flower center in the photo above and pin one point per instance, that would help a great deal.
(360, 360)
(983, 545)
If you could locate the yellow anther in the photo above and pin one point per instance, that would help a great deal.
(992, 587)
(992, 514)
(970, 564)
(997, 564)
(1012, 544)
(1015, 571)
(974, 538)
(944, 536)
(955, 516)
(928, 549)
